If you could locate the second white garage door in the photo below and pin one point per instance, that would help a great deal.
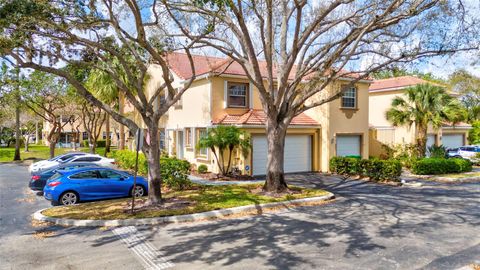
(452, 140)
(348, 145)
(297, 157)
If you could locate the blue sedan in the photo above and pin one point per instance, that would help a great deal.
(88, 184)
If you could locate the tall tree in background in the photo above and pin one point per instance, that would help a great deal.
(46, 96)
(293, 50)
(92, 119)
(93, 35)
(10, 91)
(467, 86)
(425, 105)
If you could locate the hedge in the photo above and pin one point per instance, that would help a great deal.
(428, 166)
(375, 169)
(174, 171)
(100, 143)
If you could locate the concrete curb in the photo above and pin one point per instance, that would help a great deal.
(182, 218)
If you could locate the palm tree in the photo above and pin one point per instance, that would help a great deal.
(105, 89)
(221, 139)
(424, 105)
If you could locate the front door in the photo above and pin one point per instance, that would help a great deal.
(180, 144)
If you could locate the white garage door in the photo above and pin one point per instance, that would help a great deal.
(452, 140)
(348, 145)
(297, 156)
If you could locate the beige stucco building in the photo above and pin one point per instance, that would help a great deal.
(382, 132)
(222, 95)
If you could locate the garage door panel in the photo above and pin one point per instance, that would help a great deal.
(297, 156)
(452, 140)
(348, 145)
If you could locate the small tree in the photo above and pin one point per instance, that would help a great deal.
(222, 139)
(92, 119)
(425, 105)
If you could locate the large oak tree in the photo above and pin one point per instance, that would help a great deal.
(293, 49)
(120, 38)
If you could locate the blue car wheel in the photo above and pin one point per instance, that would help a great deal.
(139, 191)
(68, 198)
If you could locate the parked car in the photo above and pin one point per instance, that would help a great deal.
(466, 152)
(39, 179)
(55, 160)
(92, 158)
(88, 184)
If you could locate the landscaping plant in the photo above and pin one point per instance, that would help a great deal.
(375, 169)
(202, 168)
(429, 166)
(223, 140)
(437, 151)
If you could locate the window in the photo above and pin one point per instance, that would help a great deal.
(85, 175)
(349, 98)
(84, 135)
(237, 95)
(104, 135)
(110, 174)
(162, 140)
(201, 134)
(188, 137)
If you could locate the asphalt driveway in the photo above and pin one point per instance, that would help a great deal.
(369, 226)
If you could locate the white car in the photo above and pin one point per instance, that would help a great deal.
(34, 167)
(91, 158)
(467, 152)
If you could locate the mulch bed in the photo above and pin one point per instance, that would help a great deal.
(168, 204)
(218, 177)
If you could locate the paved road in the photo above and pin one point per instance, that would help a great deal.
(436, 226)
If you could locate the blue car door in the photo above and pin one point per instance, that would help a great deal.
(88, 184)
(115, 184)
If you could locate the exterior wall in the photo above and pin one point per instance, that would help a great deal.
(338, 121)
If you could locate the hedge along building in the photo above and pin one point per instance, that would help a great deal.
(383, 133)
(222, 95)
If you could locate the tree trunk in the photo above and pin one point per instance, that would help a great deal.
(107, 130)
(275, 181)
(27, 140)
(92, 145)
(17, 133)
(422, 141)
(51, 146)
(37, 133)
(153, 160)
(121, 101)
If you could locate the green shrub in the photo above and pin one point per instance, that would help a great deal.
(101, 143)
(407, 154)
(429, 166)
(85, 143)
(437, 151)
(375, 169)
(345, 165)
(174, 171)
(202, 168)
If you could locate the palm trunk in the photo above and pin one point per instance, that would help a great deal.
(107, 130)
(17, 132)
(152, 152)
(275, 181)
(422, 141)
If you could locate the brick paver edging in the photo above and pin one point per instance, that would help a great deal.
(247, 209)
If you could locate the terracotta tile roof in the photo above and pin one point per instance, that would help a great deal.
(179, 64)
(394, 83)
(257, 117)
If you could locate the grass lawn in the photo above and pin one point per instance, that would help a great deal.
(198, 199)
(38, 152)
(460, 175)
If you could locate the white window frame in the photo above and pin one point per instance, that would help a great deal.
(247, 95)
(346, 95)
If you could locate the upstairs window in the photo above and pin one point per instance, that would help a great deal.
(349, 98)
(237, 95)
